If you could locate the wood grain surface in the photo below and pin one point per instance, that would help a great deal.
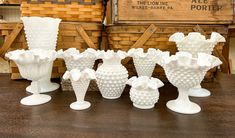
(116, 118)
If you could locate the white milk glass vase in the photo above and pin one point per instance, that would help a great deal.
(186, 72)
(195, 43)
(33, 65)
(144, 91)
(42, 33)
(80, 81)
(111, 75)
(144, 62)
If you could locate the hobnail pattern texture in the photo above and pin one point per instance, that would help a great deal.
(194, 51)
(80, 64)
(144, 98)
(184, 77)
(111, 80)
(144, 66)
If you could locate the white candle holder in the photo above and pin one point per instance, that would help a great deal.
(80, 82)
(144, 91)
(33, 65)
(144, 62)
(195, 43)
(186, 72)
(111, 75)
(42, 33)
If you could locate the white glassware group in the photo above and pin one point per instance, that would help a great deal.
(80, 82)
(33, 65)
(144, 91)
(195, 43)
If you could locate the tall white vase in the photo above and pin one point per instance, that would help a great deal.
(144, 62)
(111, 75)
(33, 65)
(80, 82)
(42, 33)
(186, 72)
(144, 91)
(195, 43)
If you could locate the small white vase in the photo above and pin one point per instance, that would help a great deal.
(144, 91)
(195, 43)
(186, 75)
(111, 75)
(42, 33)
(33, 65)
(80, 82)
(76, 60)
(144, 62)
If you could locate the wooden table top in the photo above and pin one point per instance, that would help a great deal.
(116, 118)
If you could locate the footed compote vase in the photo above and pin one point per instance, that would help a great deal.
(111, 75)
(195, 43)
(76, 60)
(186, 72)
(144, 91)
(144, 62)
(42, 33)
(33, 65)
(80, 82)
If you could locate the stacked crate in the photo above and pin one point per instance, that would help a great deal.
(149, 24)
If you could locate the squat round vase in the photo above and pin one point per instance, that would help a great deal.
(144, 91)
(33, 65)
(76, 60)
(185, 72)
(111, 75)
(42, 33)
(195, 43)
(144, 62)
(80, 81)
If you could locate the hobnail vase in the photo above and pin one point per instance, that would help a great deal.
(111, 75)
(185, 72)
(33, 65)
(80, 81)
(195, 43)
(144, 91)
(144, 62)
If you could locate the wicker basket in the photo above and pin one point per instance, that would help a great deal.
(78, 35)
(124, 37)
(81, 10)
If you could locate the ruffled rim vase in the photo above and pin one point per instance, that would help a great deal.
(111, 75)
(144, 62)
(185, 72)
(76, 60)
(80, 82)
(33, 65)
(196, 43)
(144, 91)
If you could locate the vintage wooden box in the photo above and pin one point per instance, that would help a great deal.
(170, 11)
(124, 37)
(67, 10)
(78, 35)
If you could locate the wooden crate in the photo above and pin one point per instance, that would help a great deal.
(124, 37)
(170, 11)
(67, 10)
(78, 35)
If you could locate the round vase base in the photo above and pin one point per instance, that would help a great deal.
(35, 99)
(49, 87)
(187, 108)
(80, 105)
(143, 107)
(111, 98)
(199, 92)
